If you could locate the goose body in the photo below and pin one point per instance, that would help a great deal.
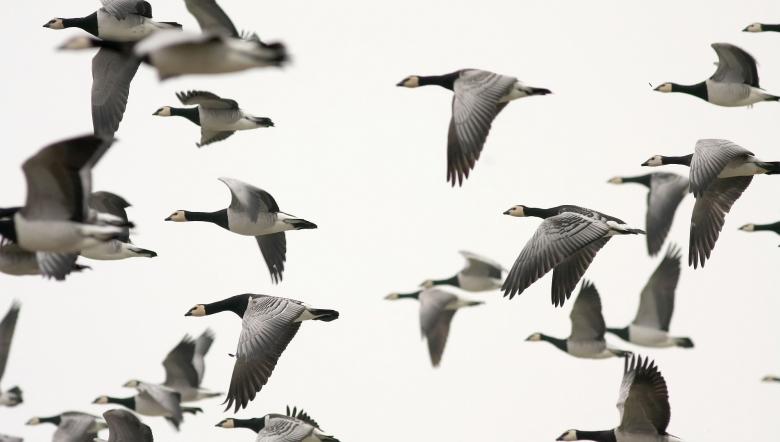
(666, 191)
(437, 308)
(217, 117)
(13, 396)
(650, 327)
(253, 212)
(72, 426)
(293, 426)
(720, 171)
(566, 242)
(121, 247)
(269, 323)
(643, 405)
(478, 97)
(587, 328)
(734, 83)
(478, 275)
(124, 426)
(153, 401)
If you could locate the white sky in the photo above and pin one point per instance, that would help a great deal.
(366, 162)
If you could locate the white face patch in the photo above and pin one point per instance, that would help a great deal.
(615, 180)
(654, 161)
(412, 81)
(427, 284)
(748, 227)
(55, 23)
(101, 400)
(392, 296)
(177, 216)
(516, 211)
(133, 383)
(164, 111)
(569, 435)
(666, 87)
(198, 310)
(755, 27)
(228, 423)
(534, 337)
(33, 421)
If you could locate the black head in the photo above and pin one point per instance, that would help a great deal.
(236, 304)
(255, 424)
(55, 420)
(55, 23)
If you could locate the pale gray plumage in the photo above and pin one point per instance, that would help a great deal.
(124, 426)
(211, 17)
(7, 438)
(112, 73)
(709, 159)
(644, 400)
(122, 9)
(666, 192)
(587, 322)
(656, 302)
(734, 65)
(184, 367)
(7, 328)
(167, 398)
(281, 428)
(435, 319)
(475, 104)
(112, 204)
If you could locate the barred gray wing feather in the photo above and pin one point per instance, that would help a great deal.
(710, 158)
(112, 73)
(56, 265)
(179, 369)
(7, 328)
(735, 65)
(644, 400)
(249, 199)
(211, 17)
(435, 321)
(280, 428)
(568, 273)
(587, 322)
(202, 346)
(122, 8)
(206, 99)
(274, 250)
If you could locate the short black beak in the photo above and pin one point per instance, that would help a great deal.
(744, 30)
(188, 314)
(507, 212)
(645, 163)
(168, 219)
(400, 83)
(46, 25)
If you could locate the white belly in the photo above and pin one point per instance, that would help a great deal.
(207, 121)
(649, 337)
(51, 236)
(478, 283)
(733, 95)
(132, 28)
(741, 168)
(207, 58)
(266, 224)
(514, 94)
(149, 407)
(624, 436)
(588, 349)
(109, 251)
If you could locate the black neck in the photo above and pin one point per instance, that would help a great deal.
(190, 113)
(414, 295)
(5, 212)
(219, 217)
(773, 28)
(454, 281)
(446, 81)
(88, 23)
(540, 213)
(50, 420)
(599, 436)
(642, 179)
(128, 402)
(8, 229)
(684, 160)
(621, 333)
(774, 227)
(697, 90)
(236, 304)
(254, 424)
(560, 343)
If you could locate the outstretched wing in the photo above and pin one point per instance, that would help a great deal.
(735, 65)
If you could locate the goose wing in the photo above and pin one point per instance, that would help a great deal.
(167, 398)
(709, 213)
(211, 17)
(302, 415)
(124, 426)
(202, 346)
(644, 400)
(587, 322)
(112, 204)
(212, 136)
(568, 273)
(709, 159)
(735, 65)
(122, 8)
(206, 99)
(474, 106)
(249, 199)
(268, 327)
(7, 327)
(435, 320)
(59, 178)
(274, 250)
(56, 265)
(556, 239)
(656, 303)
(667, 190)
(75, 427)
(179, 369)
(6, 438)
(280, 428)
(112, 73)
(480, 266)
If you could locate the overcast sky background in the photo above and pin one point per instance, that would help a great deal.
(366, 162)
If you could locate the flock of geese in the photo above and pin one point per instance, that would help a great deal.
(63, 218)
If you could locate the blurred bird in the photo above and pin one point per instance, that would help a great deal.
(13, 396)
(253, 212)
(565, 242)
(16, 261)
(734, 83)
(269, 323)
(72, 426)
(121, 247)
(761, 27)
(643, 404)
(153, 400)
(720, 172)
(773, 227)
(650, 327)
(478, 275)
(294, 426)
(217, 117)
(478, 97)
(124, 426)
(437, 307)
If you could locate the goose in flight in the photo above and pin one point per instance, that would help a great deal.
(13, 396)
(478, 275)
(72, 426)
(185, 366)
(643, 404)
(478, 97)
(666, 191)
(650, 327)
(566, 243)
(19, 262)
(124, 426)
(293, 426)
(773, 227)
(56, 216)
(269, 323)
(7, 438)
(770, 378)
(761, 27)
(153, 400)
(112, 72)
(587, 328)
(218, 49)
(217, 117)
(720, 172)
(121, 247)
(437, 307)
(734, 83)
(253, 212)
